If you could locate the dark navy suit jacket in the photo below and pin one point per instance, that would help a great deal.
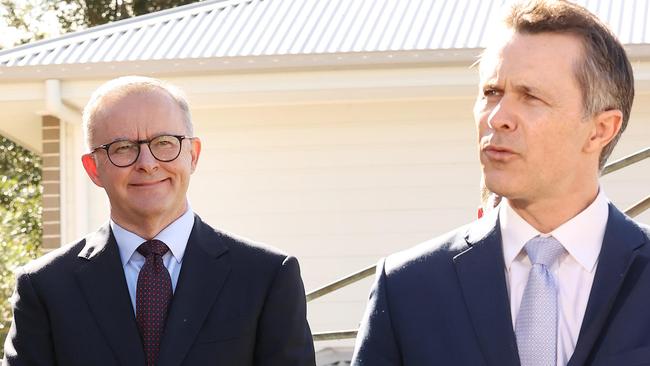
(235, 304)
(445, 302)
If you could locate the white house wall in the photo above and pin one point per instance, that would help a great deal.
(630, 185)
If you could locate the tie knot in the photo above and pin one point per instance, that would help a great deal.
(544, 250)
(155, 247)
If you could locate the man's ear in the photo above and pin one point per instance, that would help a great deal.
(90, 165)
(605, 127)
(195, 152)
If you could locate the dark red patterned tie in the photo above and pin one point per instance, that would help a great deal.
(153, 296)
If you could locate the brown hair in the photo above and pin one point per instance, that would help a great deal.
(604, 74)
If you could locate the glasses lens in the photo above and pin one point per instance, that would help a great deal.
(123, 153)
(165, 148)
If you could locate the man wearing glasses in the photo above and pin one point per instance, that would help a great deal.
(156, 285)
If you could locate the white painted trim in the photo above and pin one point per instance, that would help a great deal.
(54, 104)
(238, 64)
(63, 212)
(79, 200)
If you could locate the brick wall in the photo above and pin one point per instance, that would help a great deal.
(51, 182)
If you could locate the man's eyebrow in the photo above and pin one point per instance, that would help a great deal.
(490, 84)
(519, 88)
(528, 89)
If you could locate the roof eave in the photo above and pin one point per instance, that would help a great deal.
(443, 57)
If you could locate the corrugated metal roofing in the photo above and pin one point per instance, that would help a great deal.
(235, 28)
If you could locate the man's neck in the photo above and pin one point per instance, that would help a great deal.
(548, 214)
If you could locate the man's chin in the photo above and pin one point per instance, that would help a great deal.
(500, 185)
(145, 211)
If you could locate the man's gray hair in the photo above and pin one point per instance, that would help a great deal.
(124, 86)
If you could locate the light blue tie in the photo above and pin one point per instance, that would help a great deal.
(536, 325)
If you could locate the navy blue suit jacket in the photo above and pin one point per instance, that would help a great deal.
(235, 304)
(445, 302)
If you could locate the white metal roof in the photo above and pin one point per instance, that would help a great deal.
(258, 28)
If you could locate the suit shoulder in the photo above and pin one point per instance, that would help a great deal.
(645, 229)
(627, 221)
(439, 249)
(54, 260)
(241, 246)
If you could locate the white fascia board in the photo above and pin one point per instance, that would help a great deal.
(638, 52)
(226, 65)
(641, 71)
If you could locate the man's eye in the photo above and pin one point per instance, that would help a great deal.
(164, 143)
(122, 148)
(490, 92)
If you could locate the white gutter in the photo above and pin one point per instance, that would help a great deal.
(54, 103)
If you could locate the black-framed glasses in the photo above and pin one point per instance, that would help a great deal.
(123, 153)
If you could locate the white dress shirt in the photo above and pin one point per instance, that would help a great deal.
(582, 237)
(175, 236)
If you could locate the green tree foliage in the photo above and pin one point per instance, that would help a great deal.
(28, 17)
(20, 216)
(34, 18)
(76, 14)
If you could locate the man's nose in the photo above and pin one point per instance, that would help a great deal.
(503, 116)
(146, 160)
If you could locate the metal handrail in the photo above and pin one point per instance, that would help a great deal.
(340, 334)
(342, 282)
(626, 161)
(631, 211)
(637, 208)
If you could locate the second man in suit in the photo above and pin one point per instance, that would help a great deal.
(556, 274)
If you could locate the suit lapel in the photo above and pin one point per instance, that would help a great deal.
(101, 279)
(480, 271)
(203, 273)
(622, 239)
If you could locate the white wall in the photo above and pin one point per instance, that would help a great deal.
(630, 185)
(338, 185)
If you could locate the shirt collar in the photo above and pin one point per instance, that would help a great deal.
(175, 235)
(582, 236)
